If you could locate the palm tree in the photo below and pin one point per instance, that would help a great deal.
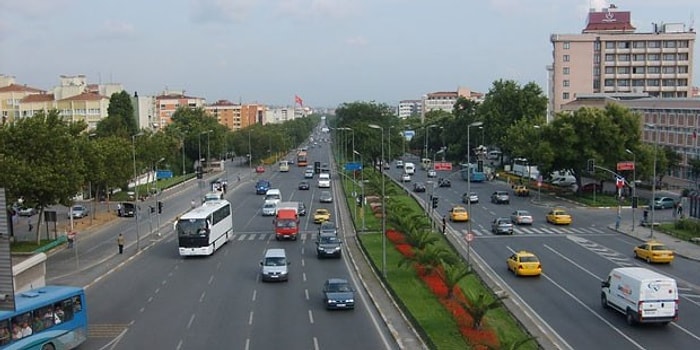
(421, 239)
(453, 273)
(479, 306)
(429, 258)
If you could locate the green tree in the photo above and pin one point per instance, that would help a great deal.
(41, 160)
(421, 239)
(109, 162)
(479, 305)
(429, 258)
(670, 162)
(120, 120)
(452, 274)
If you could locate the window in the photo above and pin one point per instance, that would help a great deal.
(596, 71)
(596, 84)
(654, 44)
(567, 58)
(609, 70)
(596, 58)
(567, 45)
(653, 57)
(669, 57)
(566, 83)
(683, 43)
(596, 46)
(639, 57)
(669, 70)
(609, 58)
(639, 44)
(623, 44)
(669, 82)
(683, 69)
(682, 56)
(654, 70)
(623, 57)
(609, 82)
(670, 43)
(652, 82)
(623, 70)
(565, 95)
(609, 44)
(623, 82)
(637, 82)
(638, 70)
(566, 70)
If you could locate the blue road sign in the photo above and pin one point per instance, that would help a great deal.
(352, 166)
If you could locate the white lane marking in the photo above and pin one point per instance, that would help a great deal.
(247, 344)
(303, 276)
(306, 294)
(201, 297)
(179, 345)
(211, 279)
(255, 294)
(316, 344)
(250, 318)
(311, 317)
(189, 324)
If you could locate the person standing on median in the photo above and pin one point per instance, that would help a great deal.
(120, 243)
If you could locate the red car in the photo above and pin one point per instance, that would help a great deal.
(260, 169)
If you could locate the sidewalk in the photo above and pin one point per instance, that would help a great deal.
(682, 248)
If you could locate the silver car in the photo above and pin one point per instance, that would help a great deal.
(521, 217)
(502, 226)
(470, 197)
(78, 211)
(325, 197)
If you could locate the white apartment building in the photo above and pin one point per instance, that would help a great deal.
(610, 56)
(408, 108)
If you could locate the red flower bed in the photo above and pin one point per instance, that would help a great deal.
(479, 338)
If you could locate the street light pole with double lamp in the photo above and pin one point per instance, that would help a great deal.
(381, 170)
(136, 191)
(469, 191)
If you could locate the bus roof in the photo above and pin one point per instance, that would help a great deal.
(205, 210)
(28, 300)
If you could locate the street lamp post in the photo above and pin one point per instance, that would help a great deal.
(136, 191)
(469, 191)
(426, 139)
(634, 183)
(381, 170)
(539, 183)
(208, 148)
(653, 183)
(250, 152)
(183, 156)
(155, 195)
(362, 188)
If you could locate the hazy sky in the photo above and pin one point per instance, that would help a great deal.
(326, 51)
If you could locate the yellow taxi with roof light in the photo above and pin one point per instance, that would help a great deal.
(321, 215)
(559, 216)
(524, 263)
(459, 214)
(654, 252)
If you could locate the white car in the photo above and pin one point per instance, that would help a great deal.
(521, 217)
(405, 177)
(432, 173)
(399, 163)
(269, 208)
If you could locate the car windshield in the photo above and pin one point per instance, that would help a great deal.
(276, 261)
(339, 287)
(459, 210)
(192, 227)
(524, 213)
(328, 239)
(286, 224)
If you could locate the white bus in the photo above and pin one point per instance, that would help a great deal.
(203, 230)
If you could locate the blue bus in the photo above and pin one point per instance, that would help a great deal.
(46, 318)
(470, 172)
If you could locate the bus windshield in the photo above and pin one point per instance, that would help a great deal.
(192, 227)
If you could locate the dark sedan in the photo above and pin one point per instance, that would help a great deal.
(444, 183)
(418, 187)
(304, 185)
(328, 246)
(338, 294)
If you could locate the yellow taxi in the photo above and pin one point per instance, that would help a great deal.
(521, 190)
(321, 215)
(459, 214)
(653, 252)
(524, 263)
(559, 216)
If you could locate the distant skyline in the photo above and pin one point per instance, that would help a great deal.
(325, 51)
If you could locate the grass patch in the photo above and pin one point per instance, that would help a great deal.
(29, 246)
(123, 196)
(685, 229)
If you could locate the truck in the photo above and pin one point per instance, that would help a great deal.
(287, 221)
(642, 295)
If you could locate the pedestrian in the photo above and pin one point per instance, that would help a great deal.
(444, 224)
(675, 209)
(71, 238)
(119, 209)
(120, 243)
(680, 210)
(29, 223)
(646, 217)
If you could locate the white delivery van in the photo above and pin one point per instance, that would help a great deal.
(324, 180)
(273, 194)
(274, 266)
(642, 295)
(409, 168)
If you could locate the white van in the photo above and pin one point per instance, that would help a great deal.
(273, 194)
(324, 180)
(563, 181)
(409, 168)
(642, 295)
(274, 266)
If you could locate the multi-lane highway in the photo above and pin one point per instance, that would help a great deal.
(162, 301)
(564, 303)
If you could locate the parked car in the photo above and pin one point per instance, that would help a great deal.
(338, 294)
(500, 197)
(78, 211)
(418, 187)
(470, 197)
(524, 263)
(521, 217)
(444, 183)
(432, 173)
(25, 211)
(502, 225)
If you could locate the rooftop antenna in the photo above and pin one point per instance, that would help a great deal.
(691, 26)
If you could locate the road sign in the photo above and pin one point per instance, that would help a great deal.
(620, 182)
(625, 166)
(352, 166)
(469, 237)
(446, 166)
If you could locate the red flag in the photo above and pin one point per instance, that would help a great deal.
(298, 100)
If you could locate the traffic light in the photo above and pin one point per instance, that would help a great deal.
(591, 166)
(160, 207)
(360, 200)
(199, 172)
(435, 202)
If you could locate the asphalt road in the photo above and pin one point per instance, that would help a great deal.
(562, 307)
(162, 301)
